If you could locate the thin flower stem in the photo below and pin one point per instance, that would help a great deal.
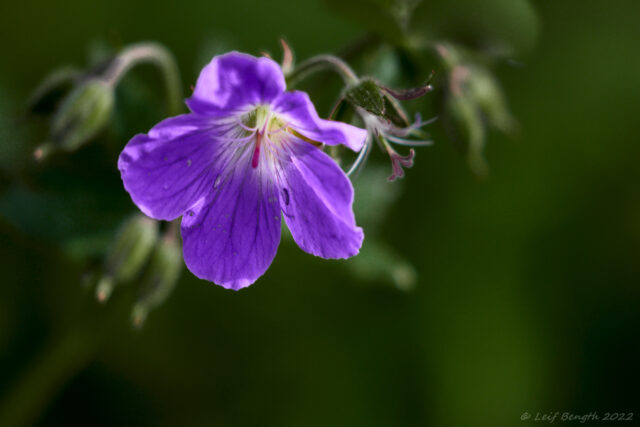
(158, 55)
(321, 63)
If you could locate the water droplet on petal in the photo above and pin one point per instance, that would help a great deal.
(217, 182)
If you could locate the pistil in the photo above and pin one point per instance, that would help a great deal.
(256, 151)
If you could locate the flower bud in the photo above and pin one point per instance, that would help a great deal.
(159, 279)
(377, 262)
(465, 123)
(487, 94)
(82, 114)
(128, 254)
(473, 102)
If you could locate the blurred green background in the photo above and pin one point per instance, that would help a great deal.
(527, 292)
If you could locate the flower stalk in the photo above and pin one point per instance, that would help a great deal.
(321, 63)
(158, 55)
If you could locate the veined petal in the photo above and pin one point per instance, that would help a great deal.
(301, 116)
(235, 81)
(231, 237)
(316, 200)
(169, 169)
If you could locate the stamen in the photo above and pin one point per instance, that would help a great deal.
(275, 151)
(280, 129)
(245, 127)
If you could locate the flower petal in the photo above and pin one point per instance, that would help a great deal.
(301, 115)
(231, 237)
(232, 82)
(169, 169)
(316, 200)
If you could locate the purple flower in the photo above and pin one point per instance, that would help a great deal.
(246, 153)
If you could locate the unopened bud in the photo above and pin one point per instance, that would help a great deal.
(104, 288)
(128, 254)
(486, 92)
(82, 115)
(465, 124)
(379, 263)
(159, 279)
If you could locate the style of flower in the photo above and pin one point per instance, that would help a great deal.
(246, 155)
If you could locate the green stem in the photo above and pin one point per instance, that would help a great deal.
(158, 55)
(321, 63)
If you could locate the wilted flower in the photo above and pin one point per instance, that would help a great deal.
(386, 122)
(247, 152)
(386, 134)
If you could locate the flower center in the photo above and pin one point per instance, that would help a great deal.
(267, 127)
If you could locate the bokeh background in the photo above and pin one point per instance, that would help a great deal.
(527, 290)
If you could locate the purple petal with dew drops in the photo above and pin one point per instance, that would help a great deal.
(296, 108)
(231, 237)
(316, 199)
(233, 82)
(169, 169)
